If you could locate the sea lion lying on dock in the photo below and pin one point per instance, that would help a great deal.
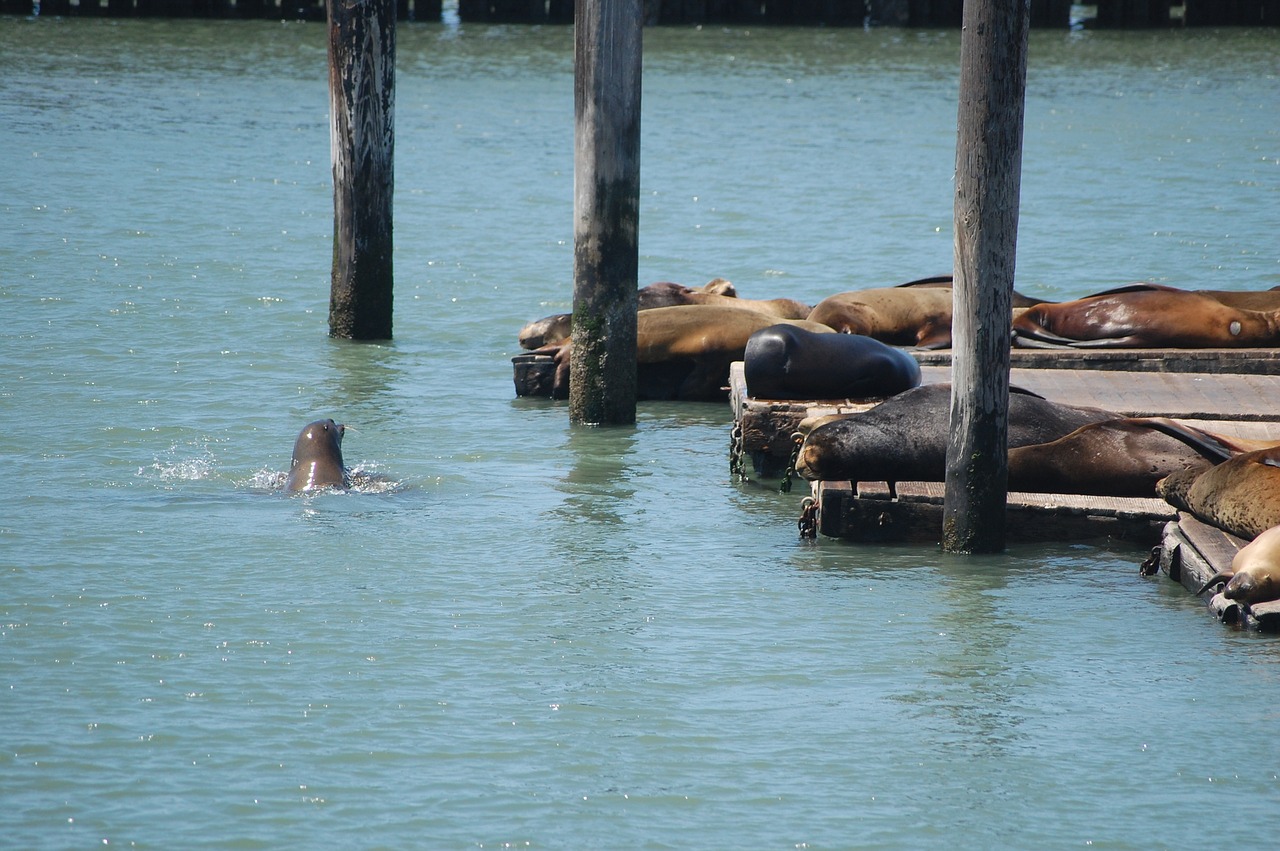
(788, 362)
(917, 313)
(1147, 316)
(719, 292)
(1240, 495)
(317, 458)
(1254, 576)
(904, 438)
(684, 352)
(1120, 457)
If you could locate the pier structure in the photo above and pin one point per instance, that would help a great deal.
(1110, 14)
(1224, 391)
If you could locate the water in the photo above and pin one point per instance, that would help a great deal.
(548, 637)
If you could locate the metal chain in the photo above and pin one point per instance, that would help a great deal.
(785, 487)
(808, 523)
(736, 469)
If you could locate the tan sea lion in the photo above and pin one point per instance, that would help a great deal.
(1254, 576)
(317, 458)
(683, 352)
(917, 313)
(1141, 316)
(719, 292)
(1240, 495)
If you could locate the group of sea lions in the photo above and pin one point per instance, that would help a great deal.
(1229, 482)
(687, 337)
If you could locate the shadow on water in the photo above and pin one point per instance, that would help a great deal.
(361, 375)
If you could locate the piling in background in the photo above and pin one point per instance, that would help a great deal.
(606, 210)
(362, 68)
(993, 72)
(1127, 14)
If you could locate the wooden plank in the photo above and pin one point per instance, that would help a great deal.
(1192, 552)
(1243, 361)
(871, 512)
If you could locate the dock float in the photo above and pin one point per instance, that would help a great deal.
(1245, 404)
(1191, 552)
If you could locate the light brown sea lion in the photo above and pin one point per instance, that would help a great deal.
(317, 458)
(1254, 576)
(557, 327)
(1141, 316)
(904, 438)
(684, 352)
(666, 294)
(917, 313)
(1240, 495)
(1120, 457)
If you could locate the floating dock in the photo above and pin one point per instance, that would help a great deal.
(1244, 403)
(1191, 552)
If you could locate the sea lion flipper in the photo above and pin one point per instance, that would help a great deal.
(1207, 444)
(1216, 579)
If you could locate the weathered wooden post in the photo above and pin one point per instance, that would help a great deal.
(606, 210)
(362, 70)
(993, 72)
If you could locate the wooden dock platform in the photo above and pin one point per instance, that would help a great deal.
(1185, 549)
(1191, 552)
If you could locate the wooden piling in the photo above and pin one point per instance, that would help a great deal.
(606, 210)
(993, 70)
(362, 52)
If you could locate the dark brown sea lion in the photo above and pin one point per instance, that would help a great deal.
(557, 327)
(317, 458)
(787, 362)
(1254, 576)
(684, 352)
(1240, 495)
(1121, 457)
(904, 438)
(1243, 299)
(1143, 317)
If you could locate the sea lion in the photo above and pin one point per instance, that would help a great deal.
(1120, 457)
(683, 352)
(556, 328)
(1145, 317)
(1240, 495)
(317, 458)
(1254, 576)
(904, 438)
(1244, 299)
(917, 313)
(666, 294)
(787, 362)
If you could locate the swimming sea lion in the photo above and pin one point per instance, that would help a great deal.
(1240, 495)
(317, 458)
(1143, 317)
(684, 352)
(787, 362)
(1254, 576)
(904, 438)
